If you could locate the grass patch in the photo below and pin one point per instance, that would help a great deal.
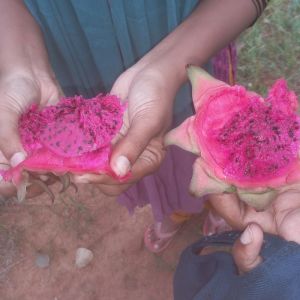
(271, 48)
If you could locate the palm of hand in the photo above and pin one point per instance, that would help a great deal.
(146, 120)
(282, 217)
(17, 92)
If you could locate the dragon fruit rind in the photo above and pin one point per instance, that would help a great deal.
(73, 136)
(246, 144)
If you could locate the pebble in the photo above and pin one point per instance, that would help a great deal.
(42, 260)
(83, 257)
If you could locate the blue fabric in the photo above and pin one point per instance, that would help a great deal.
(91, 42)
(214, 276)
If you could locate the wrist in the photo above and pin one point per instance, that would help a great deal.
(22, 47)
(211, 26)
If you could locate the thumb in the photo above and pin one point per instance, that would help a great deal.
(129, 148)
(10, 144)
(247, 248)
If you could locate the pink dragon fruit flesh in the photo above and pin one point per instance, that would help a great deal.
(73, 136)
(246, 144)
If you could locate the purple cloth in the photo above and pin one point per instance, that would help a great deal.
(225, 64)
(167, 189)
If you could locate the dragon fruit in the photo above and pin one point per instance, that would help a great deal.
(73, 136)
(246, 144)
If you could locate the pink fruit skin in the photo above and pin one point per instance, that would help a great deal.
(246, 144)
(73, 136)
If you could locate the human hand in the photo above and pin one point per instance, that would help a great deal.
(246, 249)
(18, 90)
(139, 146)
(282, 217)
(26, 77)
(17, 93)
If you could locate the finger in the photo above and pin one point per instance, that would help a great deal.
(230, 208)
(287, 207)
(15, 95)
(238, 214)
(289, 228)
(148, 162)
(10, 143)
(128, 149)
(113, 190)
(288, 200)
(7, 189)
(93, 178)
(247, 248)
(86, 178)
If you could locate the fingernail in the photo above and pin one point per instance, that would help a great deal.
(44, 177)
(81, 179)
(17, 158)
(246, 237)
(122, 166)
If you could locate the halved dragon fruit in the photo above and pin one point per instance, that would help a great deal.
(246, 144)
(73, 136)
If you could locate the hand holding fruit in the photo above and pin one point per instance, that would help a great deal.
(138, 148)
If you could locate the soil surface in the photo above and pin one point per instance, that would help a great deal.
(38, 243)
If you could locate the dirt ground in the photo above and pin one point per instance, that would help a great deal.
(121, 268)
